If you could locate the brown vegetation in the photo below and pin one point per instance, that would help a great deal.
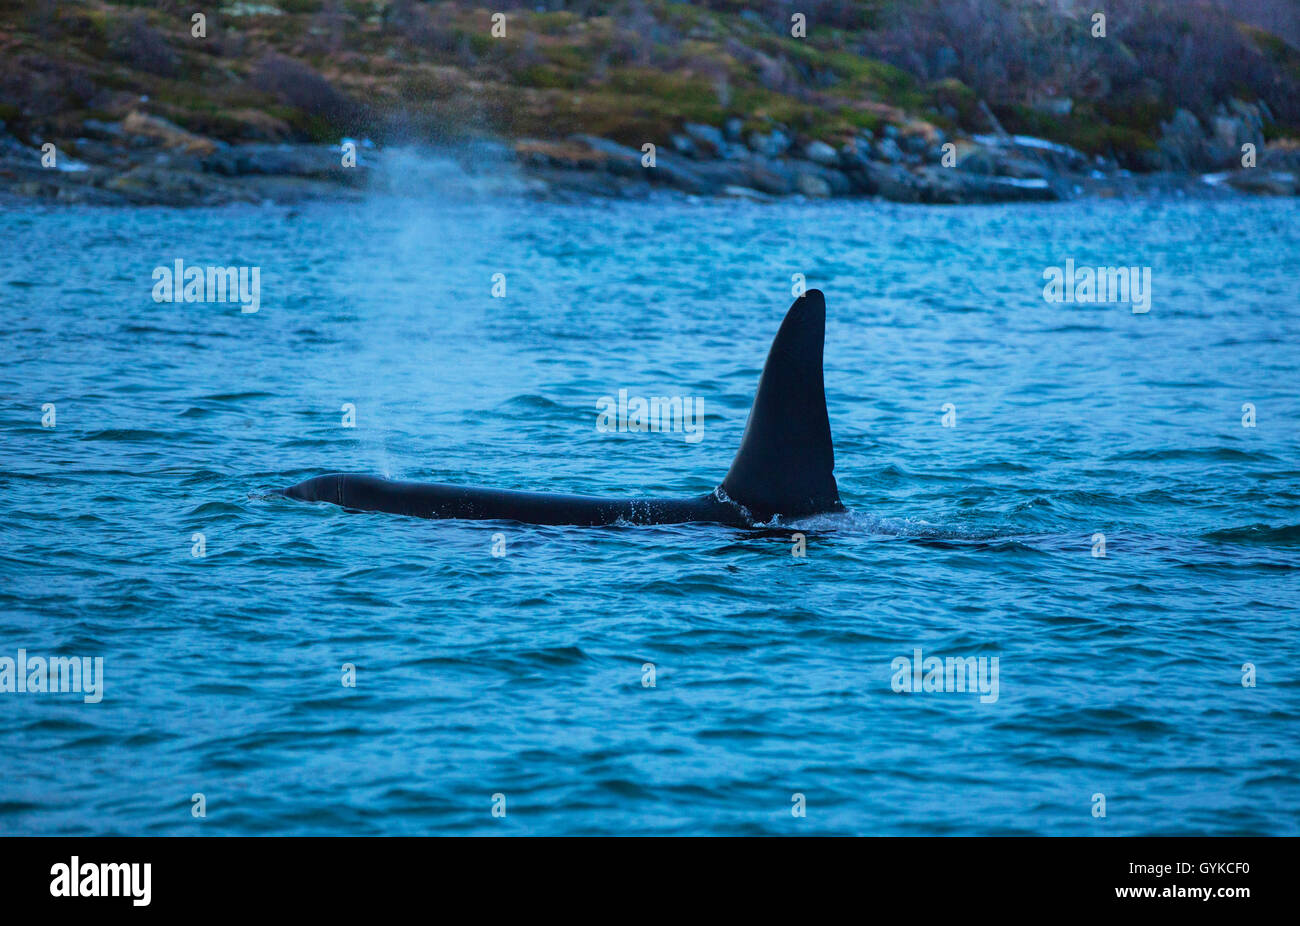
(637, 69)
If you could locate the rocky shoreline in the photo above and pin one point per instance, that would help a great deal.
(146, 160)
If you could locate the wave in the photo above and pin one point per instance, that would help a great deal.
(1210, 454)
(1272, 535)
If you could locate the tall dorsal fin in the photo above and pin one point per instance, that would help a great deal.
(786, 459)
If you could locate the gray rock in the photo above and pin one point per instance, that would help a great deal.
(811, 185)
(944, 185)
(998, 161)
(1264, 182)
(887, 150)
(770, 145)
(1008, 154)
(1283, 159)
(1233, 126)
(148, 185)
(620, 159)
(106, 153)
(710, 178)
(914, 144)
(15, 153)
(708, 140)
(688, 178)
(1182, 143)
(103, 131)
(669, 170)
(859, 178)
(821, 153)
(837, 181)
(853, 156)
(894, 183)
(1053, 155)
(769, 176)
(321, 162)
(744, 192)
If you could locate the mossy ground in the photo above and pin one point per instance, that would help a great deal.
(633, 71)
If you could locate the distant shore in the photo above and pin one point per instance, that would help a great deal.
(145, 160)
(924, 101)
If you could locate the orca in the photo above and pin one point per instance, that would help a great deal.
(783, 469)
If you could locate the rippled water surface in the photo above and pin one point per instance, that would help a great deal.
(522, 675)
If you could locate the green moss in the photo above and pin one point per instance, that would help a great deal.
(556, 22)
(561, 71)
(568, 57)
(482, 43)
(694, 97)
(543, 76)
(1088, 128)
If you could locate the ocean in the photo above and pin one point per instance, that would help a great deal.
(1101, 504)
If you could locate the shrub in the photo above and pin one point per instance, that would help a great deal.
(133, 41)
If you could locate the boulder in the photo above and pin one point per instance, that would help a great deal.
(1013, 150)
(708, 141)
(102, 131)
(853, 156)
(821, 153)
(1233, 126)
(891, 182)
(915, 144)
(811, 185)
(164, 186)
(946, 185)
(708, 178)
(887, 150)
(322, 162)
(769, 176)
(999, 162)
(1182, 143)
(770, 145)
(618, 159)
(1264, 182)
(141, 127)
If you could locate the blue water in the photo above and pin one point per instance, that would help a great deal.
(522, 675)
